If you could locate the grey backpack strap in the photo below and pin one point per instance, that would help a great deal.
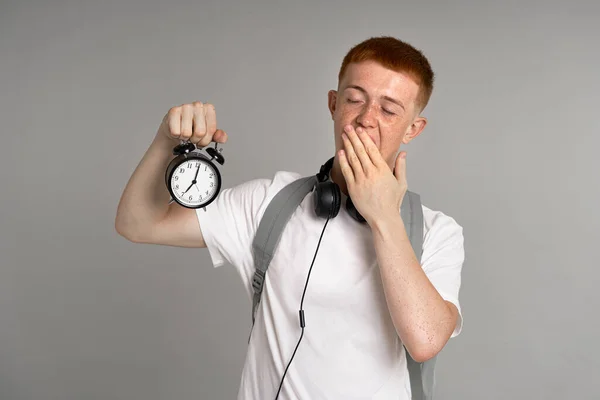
(422, 377)
(273, 221)
(412, 215)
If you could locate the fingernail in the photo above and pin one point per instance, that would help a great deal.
(348, 128)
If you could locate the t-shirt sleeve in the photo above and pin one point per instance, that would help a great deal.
(228, 224)
(443, 257)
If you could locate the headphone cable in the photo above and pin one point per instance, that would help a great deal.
(302, 320)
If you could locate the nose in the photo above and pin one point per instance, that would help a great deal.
(366, 118)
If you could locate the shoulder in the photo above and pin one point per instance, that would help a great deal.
(440, 229)
(255, 194)
(443, 247)
(266, 186)
(282, 178)
(230, 222)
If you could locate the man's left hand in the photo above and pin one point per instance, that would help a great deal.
(375, 190)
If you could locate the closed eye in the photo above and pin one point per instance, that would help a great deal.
(388, 112)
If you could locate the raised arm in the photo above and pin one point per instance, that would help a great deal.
(143, 213)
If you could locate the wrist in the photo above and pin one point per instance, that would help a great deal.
(386, 224)
(164, 141)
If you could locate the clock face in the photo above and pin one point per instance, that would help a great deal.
(194, 182)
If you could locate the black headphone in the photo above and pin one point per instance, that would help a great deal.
(328, 196)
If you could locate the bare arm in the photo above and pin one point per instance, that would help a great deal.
(143, 213)
(423, 319)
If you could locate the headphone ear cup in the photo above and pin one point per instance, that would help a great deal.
(354, 212)
(327, 199)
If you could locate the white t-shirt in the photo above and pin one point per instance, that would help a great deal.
(350, 349)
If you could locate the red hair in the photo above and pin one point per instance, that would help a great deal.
(398, 56)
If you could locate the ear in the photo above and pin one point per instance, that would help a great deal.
(414, 129)
(331, 101)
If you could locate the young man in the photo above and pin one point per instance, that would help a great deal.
(369, 299)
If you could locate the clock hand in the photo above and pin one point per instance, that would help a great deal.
(193, 182)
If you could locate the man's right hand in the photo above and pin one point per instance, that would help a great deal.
(196, 122)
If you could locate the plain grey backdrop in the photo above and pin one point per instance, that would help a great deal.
(510, 152)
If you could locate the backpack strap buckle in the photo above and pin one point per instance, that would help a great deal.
(258, 280)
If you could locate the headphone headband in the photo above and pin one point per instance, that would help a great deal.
(324, 171)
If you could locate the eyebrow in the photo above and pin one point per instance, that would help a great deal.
(388, 98)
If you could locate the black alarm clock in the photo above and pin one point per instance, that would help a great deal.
(192, 178)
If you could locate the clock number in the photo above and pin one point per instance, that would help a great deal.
(207, 192)
(190, 197)
(181, 170)
(177, 186)
(189, 165)
(176, 177)
(212, 184)
(211, 175)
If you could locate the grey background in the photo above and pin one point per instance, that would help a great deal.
(510, 152)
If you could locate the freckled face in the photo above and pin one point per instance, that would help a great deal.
(381, 101)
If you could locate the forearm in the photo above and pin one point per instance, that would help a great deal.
(423, 320)
(145, 198)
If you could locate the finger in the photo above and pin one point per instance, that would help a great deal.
(345, 167)
(187, 113)
(371, 148)
(199, 123)
(359, 147)
(400, 168)
(211, 119)
(175, 122)
(208, 135)
(351, 156)
(220, 136)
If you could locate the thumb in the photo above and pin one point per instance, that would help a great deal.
(220, 136)
(400, 168)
